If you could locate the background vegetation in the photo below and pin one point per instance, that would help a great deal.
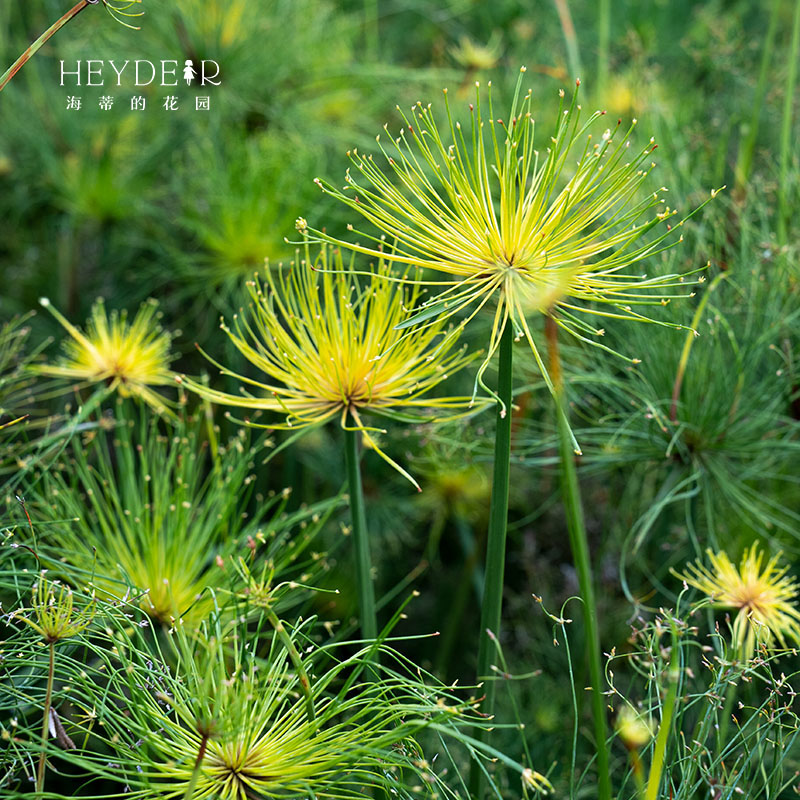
(680, 452)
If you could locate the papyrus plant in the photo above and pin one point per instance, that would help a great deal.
(130, 357)
(222, 714)
(519, 227)
(156, 515)
(327, 348)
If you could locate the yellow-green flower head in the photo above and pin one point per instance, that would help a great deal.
(527, 224)
(761, 596)
(531, 779)
(129, 357)
(328, 348)
(55, 615)
(634, 729)
(228, 728)
(474, 56)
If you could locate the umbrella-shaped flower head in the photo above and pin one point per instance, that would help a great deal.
(130, 357)
(327, 347)
(516, 221)
(761, 595)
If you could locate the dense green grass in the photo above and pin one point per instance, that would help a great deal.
(693, 446)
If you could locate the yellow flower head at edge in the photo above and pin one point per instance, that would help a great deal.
(129, 357)
(761, 595)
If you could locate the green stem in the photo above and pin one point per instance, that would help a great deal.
(366, 590)
(580, 553)
(297, 662)
(198, 764)
(657, 766)
(570, 38)
(492, 607)
(744, 162)
(32, 50)
(603, 40)
(787, 136)
(579, 544)
(48, 699)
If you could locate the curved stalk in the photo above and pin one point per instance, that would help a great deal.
(579, 545)
(366, 590)
(691, 335)
(36, 46)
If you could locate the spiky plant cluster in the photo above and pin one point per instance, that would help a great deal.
(242, 225)
(328, 348)
(761, 597)
(130, 358)
(513, 224)
(53, 614)
(157, 515)
(239, 705)
(259, 739)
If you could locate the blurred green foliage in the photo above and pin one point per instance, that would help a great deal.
(183, 206)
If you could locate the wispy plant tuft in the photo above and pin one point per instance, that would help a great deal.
(511, 224)
(230, 724)
(761, 596)
(155, 516)
(128, 357)
(328, 348)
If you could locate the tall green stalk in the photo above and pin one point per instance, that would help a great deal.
(786, 129)
(48, 699)
(657, 765)
(603, 42)
(498, 521)
(579, 544)
(744, 162)
(34, 48)
(366, 590)
(492, 607)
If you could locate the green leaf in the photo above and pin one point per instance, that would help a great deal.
(428, 313)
